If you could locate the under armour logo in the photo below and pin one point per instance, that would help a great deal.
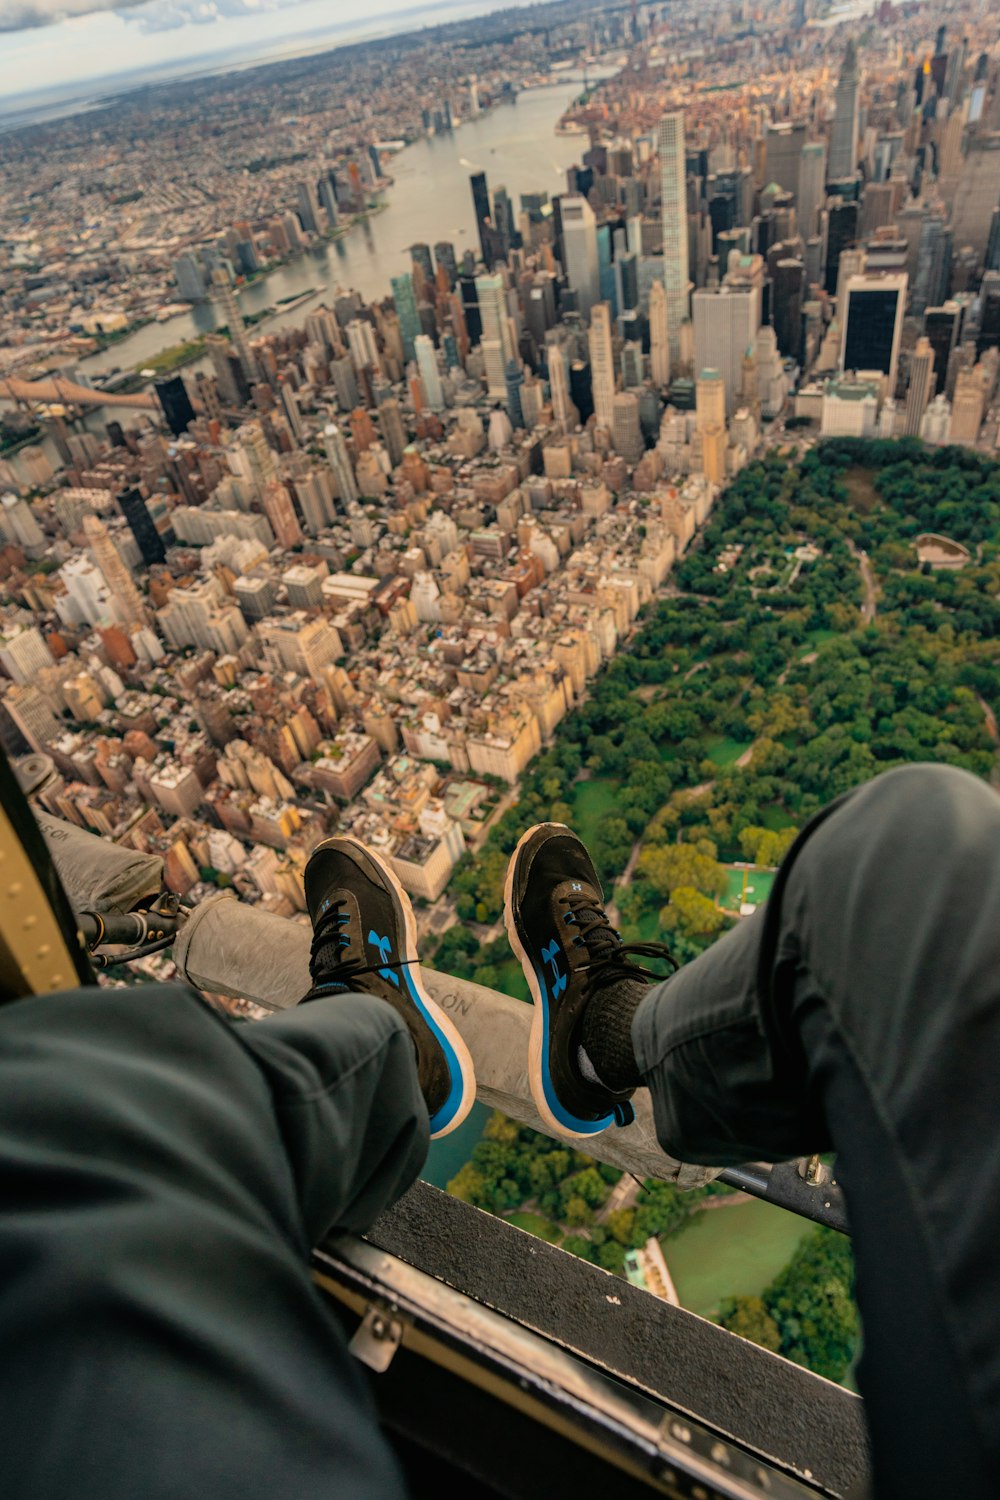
(576, 886)
(550, 955)
(383, 947)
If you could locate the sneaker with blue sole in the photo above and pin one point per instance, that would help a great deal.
(365, 939)
(558, 928)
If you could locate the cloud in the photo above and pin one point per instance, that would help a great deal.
(150, 15)
(24, 15)
(170, 15)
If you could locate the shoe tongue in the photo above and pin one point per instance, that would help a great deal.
(328, 954)
(333, 945)
(599, 940)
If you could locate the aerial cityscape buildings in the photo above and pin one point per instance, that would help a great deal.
(352, 566)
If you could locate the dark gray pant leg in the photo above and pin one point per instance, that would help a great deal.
(343, 1079)
(723, 1093)
(861, 1010)
(163, 1174)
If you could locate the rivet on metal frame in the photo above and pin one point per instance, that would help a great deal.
(376, 1340)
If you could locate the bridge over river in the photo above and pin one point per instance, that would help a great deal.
(68, 393)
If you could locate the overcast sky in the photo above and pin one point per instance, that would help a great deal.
(51, 43)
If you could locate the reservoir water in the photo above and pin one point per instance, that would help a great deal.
(451, 1152)
(731, 1251)
(429, 200)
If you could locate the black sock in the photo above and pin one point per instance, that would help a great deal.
(606, 1034)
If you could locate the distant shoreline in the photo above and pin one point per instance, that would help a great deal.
(18, 112)
(382, 205)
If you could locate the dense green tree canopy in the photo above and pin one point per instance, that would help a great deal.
(749, 697)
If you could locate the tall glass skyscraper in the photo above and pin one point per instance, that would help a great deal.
(605, 267)
(579, 228)
(673, 200)
(405, 299)
(490, 242)
(873, 324)
(136, 512)
(602, 365)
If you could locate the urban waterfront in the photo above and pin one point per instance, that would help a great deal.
(429, 200)
(516, 144)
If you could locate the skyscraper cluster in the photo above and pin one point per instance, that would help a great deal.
(366, 562)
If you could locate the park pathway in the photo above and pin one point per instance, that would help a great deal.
(803, 661)
(625, 879)
(991, 721)
(623, 1195)
(869, 606)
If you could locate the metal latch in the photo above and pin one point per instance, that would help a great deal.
(376, 1339)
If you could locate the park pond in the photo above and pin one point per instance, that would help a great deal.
(732, 1250)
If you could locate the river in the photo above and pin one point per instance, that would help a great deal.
(429, 200)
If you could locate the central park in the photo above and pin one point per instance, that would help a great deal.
(810, 640)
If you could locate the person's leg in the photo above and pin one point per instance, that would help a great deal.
(861, 1010)
(163, 1175)
(721, 1081)
(162, 1179)
(343, 1082)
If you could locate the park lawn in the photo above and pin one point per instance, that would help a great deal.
(175, 355)
(591, 801)
(734, 1251)
(757, 886)
(725, 752)
(776, 818)
(648, 926)
(860, 486)
(817, 638)
(759, 883)
(535, 1224)
(731, 896)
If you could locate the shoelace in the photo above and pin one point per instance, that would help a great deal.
(332, 929)
(609, 957)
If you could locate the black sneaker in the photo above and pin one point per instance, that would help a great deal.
(557, 925)
(365, 938)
